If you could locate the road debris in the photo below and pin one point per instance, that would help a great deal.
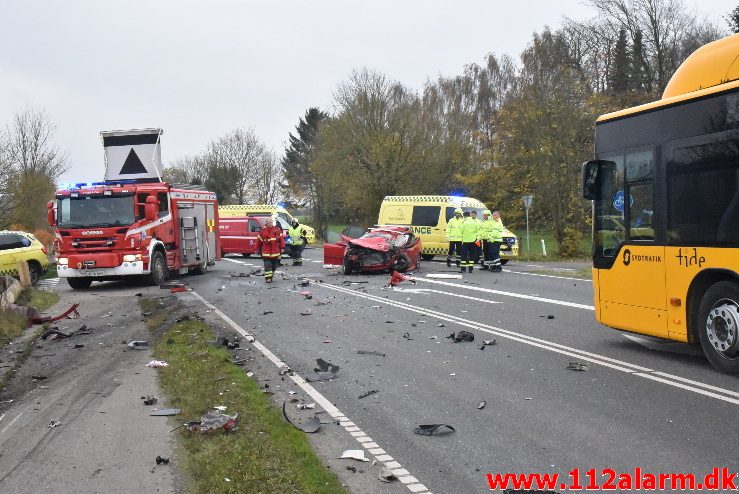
(577, 366)
(166, 412)
(432, 429)
(488, 343)
(396, 278)
(311, 426)
(149, 400)
(461, 336)
(161, 460)
(139, 344)
(71, 313)
(78, 345)
(370, 352)
(353, 454)
(369, 393)
(38, 377)
(306, 406)
(213, 420)
(178, 289)
(550, 316)
(285, 369)
(481, 405)
(304, 283)
(324, 372)
(266, 312)
(306, 313)
(54, 423)
(157, 363)
(306, 294)
(387, 476)
(54, 334)
(407, 336)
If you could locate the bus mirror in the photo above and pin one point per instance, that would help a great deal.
(151, 208)
(590, 172)
(50, 213)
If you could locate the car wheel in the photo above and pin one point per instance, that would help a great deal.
(718, 326)
(79, 283)
(159, 271)
(347, 267)
(35, 271)
(427, 257)
(245, 255)
(503, 262)
(401, 263)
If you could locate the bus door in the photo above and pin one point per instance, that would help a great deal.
(630, 267)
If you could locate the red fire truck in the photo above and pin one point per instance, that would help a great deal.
(137, 226)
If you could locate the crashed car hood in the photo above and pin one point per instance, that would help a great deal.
(373, 243)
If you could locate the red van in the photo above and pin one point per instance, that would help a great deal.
(239, 234)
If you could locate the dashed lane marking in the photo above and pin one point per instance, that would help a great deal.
(708, 390)
(548, 276)
(365, 441)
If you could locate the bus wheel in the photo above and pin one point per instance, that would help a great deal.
(718, 326)
(427, 257)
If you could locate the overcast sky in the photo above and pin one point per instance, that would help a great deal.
(200, 69)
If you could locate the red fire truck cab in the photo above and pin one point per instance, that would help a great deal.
(109, 230)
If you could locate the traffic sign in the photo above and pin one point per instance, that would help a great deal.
(527, 200)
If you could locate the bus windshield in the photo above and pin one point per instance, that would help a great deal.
(95, 211)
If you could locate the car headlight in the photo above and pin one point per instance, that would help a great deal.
(63, 261)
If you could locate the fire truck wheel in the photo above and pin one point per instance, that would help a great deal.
(79, 283)
(201, 268)
(245, 254)
(159, 272)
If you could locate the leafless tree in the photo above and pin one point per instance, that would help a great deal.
(29, 145)
(242, 151)
(267, 177)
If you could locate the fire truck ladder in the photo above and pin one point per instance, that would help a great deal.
(190, 239)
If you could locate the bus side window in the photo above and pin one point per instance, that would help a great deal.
(640, 191)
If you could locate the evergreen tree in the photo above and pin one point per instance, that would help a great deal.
(732, 19)
(618, 80)
(639, 80)
(299, 155)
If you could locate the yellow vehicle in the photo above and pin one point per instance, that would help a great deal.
(277, 212)
(22, 246)
(428, 215)
(665, 190)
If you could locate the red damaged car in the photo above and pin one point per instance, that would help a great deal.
(381, 248)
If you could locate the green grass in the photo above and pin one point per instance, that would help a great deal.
(41, 299)
(264, 454)
(51, 272)
(552, 247)
(13, 324)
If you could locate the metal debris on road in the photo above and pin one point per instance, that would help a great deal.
(139, 344)
(396, 278)
(213, 420)
(306, 406)
(149, 400)
(487, 343)
(306, 294)
(38, 377)
(267, 312)
(306, 313)
(311, 426)
(54, 423)
(304, 283)
(369, 393)
(432, 429)
(387, 476)
(157, 363)
(161, 460)
(55, 334)
(481, 405)
(353, 454)
(577, 366)
(370, 352)
(78, 345)
(70, 313)
(550, 316)
(407, 336)
(461, 336)
(166, 412)
(324, 372)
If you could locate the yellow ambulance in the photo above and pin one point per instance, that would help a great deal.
(427, 216)
(279, 213)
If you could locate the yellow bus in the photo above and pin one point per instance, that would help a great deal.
(665, 190)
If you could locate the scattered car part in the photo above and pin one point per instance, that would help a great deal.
(149, 400)
(139, 344)
(166, 412)
(212, 420)
(324, 372)
(54, 423)
(157, 363)
(387, 476)
(481, 405)
(306, 406)
(370, 352)
(353, 454)
(396, 278)
(461, 336)
(431, 429)
(309, 427)
(578, 366)
(58, 335)
(369, 393)
(72, 313)
(161, 460)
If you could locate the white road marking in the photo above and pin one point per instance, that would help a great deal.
(510, 294)
(429, 290)
(11, 422)
(620, 365)
(412, 483)
(548, 276)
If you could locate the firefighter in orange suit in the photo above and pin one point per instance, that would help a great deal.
(270, 243)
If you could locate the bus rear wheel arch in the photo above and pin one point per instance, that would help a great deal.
(718, 326)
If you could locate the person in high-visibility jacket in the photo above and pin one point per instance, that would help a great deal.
(486, 232)
(270, 243)
(496, 239)
(470, 236)
(295, 243)
(478, 244)
(454, 236)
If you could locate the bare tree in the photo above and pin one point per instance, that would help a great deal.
(267, 179)
(29, 145)
(240, 150)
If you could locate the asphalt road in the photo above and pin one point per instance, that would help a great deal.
(658, 407)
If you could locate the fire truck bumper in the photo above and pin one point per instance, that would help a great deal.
(125, 269)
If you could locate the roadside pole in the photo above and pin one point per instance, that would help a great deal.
(527, 200)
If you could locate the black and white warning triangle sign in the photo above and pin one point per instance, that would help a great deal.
(133, 154)
(132, 165)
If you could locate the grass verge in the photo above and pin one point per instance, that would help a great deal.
(12, 324)
(264, 454)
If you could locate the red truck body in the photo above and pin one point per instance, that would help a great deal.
(239, 235)
(104, 231)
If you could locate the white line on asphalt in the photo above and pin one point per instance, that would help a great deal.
(11, 422)
(429, 290)
(548, 276)
(627, 367)
(365, 441)
(510, 294)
